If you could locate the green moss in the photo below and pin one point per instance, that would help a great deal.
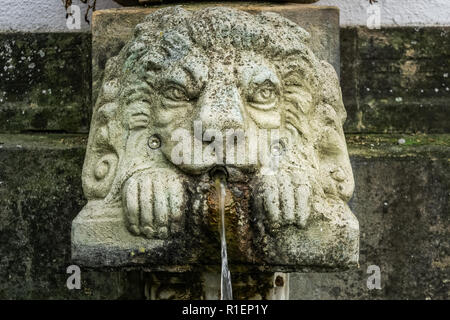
(399, 145)
(393, 139)
(45, 82)
(43, 141)
(395, 79)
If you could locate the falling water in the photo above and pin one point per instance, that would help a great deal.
(226, 292)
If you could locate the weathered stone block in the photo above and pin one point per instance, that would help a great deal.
(396, 79)
(40, 194)
(45, 82)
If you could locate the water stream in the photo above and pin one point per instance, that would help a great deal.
(226, 292)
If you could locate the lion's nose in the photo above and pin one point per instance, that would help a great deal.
(221, 108)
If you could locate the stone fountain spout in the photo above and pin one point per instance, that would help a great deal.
(216, 93)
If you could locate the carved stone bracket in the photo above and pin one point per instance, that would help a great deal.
(216, 87)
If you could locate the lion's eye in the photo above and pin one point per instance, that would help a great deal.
(176, 93)
(264, 96)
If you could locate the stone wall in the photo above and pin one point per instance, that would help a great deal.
(45, 82)
(393, 80)
(396, 79)
(395, 83)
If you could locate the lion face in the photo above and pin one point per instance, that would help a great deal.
(225, 93)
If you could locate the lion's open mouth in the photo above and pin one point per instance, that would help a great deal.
(231, 172)
(218, 172)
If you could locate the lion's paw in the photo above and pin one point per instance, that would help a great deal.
(154, 202)
(284, 198)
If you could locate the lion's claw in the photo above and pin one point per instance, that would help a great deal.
(284, 198)
(153, 203)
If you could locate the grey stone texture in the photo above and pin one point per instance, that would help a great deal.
(40, 194)
(45, 82)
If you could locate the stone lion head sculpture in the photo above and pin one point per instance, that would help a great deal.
(162, 122)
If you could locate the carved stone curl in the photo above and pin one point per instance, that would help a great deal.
(185, 83)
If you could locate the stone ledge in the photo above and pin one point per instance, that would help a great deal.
(106, 242)
(369, 145)
(432, 146)
(43, 141)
